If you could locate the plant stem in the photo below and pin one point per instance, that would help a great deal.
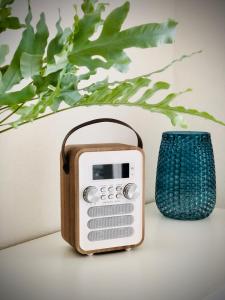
(41, 117)
(4, 107)
(6, 129)
(71, 107)
(60, 110)
(12, 113)
(4, 110)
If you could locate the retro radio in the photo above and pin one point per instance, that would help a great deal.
(102, 194)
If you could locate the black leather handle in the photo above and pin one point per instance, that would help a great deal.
(65, 158)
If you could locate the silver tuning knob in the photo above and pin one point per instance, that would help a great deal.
(90, 194)
(130, 191)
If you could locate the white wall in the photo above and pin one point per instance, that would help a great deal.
(202, 27)
(29, 162)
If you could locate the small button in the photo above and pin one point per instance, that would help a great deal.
(119, 188)
(118, 196)
(103, 189)
(103, 197)
(110, 189)
(110, 196)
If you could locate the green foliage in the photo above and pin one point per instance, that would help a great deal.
(6, 20)
(24, 95)
(4, 50)
(112, 41)
(53, 67)
(56, 44)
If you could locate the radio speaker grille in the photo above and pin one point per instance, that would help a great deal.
(112, 233)
(107, 210)
(110, 222)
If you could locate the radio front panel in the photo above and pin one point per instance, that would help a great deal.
(110, 204)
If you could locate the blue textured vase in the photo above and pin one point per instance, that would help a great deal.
(185, 180)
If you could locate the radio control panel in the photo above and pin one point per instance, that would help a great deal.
(92, 194)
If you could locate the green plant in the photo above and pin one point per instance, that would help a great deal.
(53, 67)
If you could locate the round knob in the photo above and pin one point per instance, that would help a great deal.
(130, 191)
(90, 194)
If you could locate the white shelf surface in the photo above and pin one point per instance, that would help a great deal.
(178, 260)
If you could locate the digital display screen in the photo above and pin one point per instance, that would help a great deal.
(109, 171)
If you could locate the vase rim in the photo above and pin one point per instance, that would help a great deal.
(186, 132)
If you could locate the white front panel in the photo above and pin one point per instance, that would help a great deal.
(113, 220)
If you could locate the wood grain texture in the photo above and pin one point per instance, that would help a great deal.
(70, 194)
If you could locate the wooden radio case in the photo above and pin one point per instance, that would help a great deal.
(102, 194)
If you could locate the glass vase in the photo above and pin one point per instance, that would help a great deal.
(185, 180)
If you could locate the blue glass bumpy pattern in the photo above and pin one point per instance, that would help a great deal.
(185, 180)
